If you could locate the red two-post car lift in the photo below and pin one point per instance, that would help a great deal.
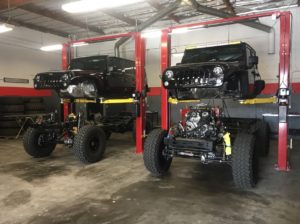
(284, 74)
(140, 76)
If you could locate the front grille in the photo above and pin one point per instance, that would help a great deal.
(191, 78)
(49, 81)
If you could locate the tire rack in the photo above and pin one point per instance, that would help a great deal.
(140, 77)
(284, 74)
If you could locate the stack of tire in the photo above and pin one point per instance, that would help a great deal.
(12, 107)
(34, 106)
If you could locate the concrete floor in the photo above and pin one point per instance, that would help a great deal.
(59, 189)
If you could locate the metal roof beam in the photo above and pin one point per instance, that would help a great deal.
(229, 6)
(121, 17)
(221, 14)
(60, 17)
(33, 26)
(155, 4)
(160, 14)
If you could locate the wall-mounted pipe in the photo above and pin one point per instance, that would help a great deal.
(271, 49)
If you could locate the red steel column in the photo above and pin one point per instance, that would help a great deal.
(165, 61)
(140, 86)
(65, 55)
(284, 77)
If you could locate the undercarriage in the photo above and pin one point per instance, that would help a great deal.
(205, 134)
(86, 138)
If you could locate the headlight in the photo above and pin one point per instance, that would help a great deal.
(65, 77)
(218, 70)
(166, 83)
(169, 74)
(88, 88)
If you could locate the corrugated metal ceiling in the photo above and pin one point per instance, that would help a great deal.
(106, 21)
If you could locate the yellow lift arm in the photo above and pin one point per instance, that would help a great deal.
(101, 101)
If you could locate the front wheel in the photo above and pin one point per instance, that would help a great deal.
(154, 160)
(89, 144)
(37, 144)
(244, 161)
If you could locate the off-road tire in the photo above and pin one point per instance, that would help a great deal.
(244, 161)
(89, 144)
(34, 107)
(154, 161)
(12, 109)
(9, 124)
(31, 145)
(263, 139)
(8, 132)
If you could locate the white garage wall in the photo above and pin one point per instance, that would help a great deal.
(20, 56)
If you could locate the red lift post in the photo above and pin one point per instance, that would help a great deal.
(284, 74)
(140, 76)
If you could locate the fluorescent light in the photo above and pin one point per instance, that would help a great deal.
(180, 30)
(6, 28)
(266, 10)
(55, 47)
(94, 5)
(151, 34)
(79, 44)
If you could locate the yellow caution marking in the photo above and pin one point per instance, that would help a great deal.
(227, 142)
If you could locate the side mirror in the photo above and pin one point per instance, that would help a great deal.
(252, 60)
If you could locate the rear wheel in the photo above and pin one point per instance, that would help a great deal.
(154, 160)
(89, 144)
(244, 161)
(35, 143)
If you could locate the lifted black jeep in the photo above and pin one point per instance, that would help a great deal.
(94, 78)
(205, 133)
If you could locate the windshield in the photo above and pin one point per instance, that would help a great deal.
(227, 53)
(98, 63)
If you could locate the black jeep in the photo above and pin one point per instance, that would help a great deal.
(91, 77)
(205, 133)
(213, 72)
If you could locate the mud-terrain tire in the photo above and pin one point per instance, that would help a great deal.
(89, 144)
(263, 139)
(154, 161)
(33, 147)
(34, 107)
(7, 109)
(244, 161)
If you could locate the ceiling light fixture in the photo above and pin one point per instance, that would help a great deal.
(55, 47)
(94, 5)
(6, 28)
